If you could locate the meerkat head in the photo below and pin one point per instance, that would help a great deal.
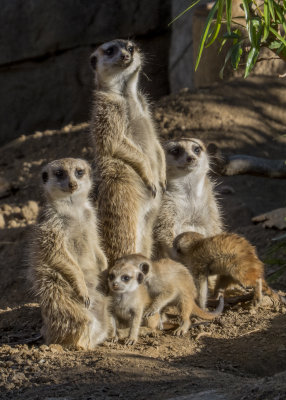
(124, 277)
(66, 178)
(186, 156)
(183, 242)
(113, 62)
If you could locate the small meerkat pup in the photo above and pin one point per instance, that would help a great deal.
(129, 160)
(65, 258)
(228, 255)
(189, 203)
(170, 283)
(129, 299)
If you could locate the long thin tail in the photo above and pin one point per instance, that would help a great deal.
(209, 315)
(271, 293)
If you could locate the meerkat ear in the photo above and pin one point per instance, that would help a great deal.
(93, 61)
(45, 176)
(144, 267)
(140, 278)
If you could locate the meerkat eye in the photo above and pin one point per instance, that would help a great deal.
(111, 277)
(125, 278)
(174, 151)
(130, 49)
(109, 51)
(59, 173)
(197, 150)
(79, 173)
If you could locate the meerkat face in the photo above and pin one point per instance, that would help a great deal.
(116, 58)
(183, 242)
(124, 277)
(184, 156)
(66, 178)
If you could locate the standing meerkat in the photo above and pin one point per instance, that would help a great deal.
(170, 283)
(65, 258)
(129, 160)
(130, 298)
(189, 203)
(228, 255)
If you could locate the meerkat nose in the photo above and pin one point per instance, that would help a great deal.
(125, 57)
(189, 159)
(72, 186)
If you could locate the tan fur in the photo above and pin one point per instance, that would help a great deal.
(129, 160)
(228, 255)
(189, 202)
(65, 259)
(170, 283)
(130, 299)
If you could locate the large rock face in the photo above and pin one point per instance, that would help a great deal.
(45, 77)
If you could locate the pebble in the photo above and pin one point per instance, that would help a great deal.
(30, 210)
(2, 222)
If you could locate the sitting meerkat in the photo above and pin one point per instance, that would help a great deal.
(65, 259)
(189, 203)
(129, 299)
(129, 160)
(228, 255)
(170, 283)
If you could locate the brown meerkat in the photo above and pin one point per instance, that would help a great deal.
(130, 298)
(129, 160)
(228, 255)
(65, 259)
(170, 283)
(189, 203)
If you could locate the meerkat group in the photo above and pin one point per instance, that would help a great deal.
(149, 237)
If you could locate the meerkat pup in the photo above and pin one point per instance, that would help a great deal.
(170, 283)
(129, 299)
(228, 255)
(129, 160)
(189, 203)
(65, 258)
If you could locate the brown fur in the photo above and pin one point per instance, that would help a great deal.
(129, 161)
(129, 299)
(170, 283)
(228, 255)
(65, 259)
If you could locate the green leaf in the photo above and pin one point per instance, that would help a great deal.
(266, 19)
(205, 32)
(228, 9)
(251, 60)
(231, 35)
(274, 45)
(183, 12)
(217, 24)
(280, 16)
(271, 9)
(275, 33)
(236, 55)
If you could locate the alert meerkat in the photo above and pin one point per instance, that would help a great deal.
(129, 160)
(65, 258)
(130, 298)
(189, 203)
(228, 255)
(170, 283)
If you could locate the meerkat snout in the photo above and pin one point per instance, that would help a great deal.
(124, 278)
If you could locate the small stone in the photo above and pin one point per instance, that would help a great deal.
(30, 210)
(13, 224)
(56, 348)
(226, 189)
(6, 208)
(5, 187)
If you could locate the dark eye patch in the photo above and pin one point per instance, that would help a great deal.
(176, 151)
(79, 173)
(125, 278)
(109, 51)
(111, 277)
(45, 176)
(197, 149)
(59, 173)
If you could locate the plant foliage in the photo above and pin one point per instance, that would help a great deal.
(262, 25)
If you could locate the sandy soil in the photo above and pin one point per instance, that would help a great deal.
(241, 355)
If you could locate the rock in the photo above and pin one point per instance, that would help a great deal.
(2, 222)
(5, 188)
(56, 348)
(272, 219)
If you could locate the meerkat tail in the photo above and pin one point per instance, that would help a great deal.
(209, 315)
(271, 293)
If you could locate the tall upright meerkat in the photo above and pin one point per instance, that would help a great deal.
(230, 256)
(65, 259)
(129, 160)
(189, 203)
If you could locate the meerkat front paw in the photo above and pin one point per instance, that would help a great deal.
(163, 184)
(151, 311)
(179, 331)
(153, 189)
(130, 341)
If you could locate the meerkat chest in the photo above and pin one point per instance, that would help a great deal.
(122, 306)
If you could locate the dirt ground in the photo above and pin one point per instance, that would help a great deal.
(241, 355)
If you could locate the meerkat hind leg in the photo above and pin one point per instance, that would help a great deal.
(203, 291)
(185, 311)
(257, 292)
